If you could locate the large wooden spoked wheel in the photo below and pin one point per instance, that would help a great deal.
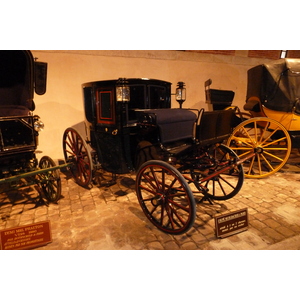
(165, 197)
(49, 181)
(76, 152)
(267, 139)
(217, 175)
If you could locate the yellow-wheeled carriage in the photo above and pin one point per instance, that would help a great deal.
(272, 128)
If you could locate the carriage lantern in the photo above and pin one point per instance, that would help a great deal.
(180, 93)
(122, 90)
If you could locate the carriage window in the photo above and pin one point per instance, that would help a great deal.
(158, 97)
(137, 100)
(105, 107)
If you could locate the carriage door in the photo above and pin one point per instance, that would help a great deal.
(108, 133)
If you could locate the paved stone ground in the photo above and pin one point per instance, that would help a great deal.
(110, 218)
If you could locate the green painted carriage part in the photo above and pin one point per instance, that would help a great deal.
(32, 173)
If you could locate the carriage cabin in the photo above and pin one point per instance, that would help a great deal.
(110, 111)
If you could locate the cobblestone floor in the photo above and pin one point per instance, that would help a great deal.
(111, 218)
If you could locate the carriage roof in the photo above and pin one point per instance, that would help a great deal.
(16, 78)
(276, 84)
(20, 77)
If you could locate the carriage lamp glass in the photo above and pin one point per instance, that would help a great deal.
(180, 93)
(38, 125)
(122, 90)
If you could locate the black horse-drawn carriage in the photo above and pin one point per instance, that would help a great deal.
(177, 154)
(20, 77)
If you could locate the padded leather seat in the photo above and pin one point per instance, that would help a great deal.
(174, 124)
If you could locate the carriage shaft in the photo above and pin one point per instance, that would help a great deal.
(33, 173)
(237, 163)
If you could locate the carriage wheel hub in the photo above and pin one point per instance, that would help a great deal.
(258, 150)
(158, 199)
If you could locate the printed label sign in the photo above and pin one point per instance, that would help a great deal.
(231, 223)
(26, 237)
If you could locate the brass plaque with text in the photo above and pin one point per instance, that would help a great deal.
(231, 223)
(26, 237)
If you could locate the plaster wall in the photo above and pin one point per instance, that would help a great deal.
(62, 105)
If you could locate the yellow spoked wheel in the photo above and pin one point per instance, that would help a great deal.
(267, 139)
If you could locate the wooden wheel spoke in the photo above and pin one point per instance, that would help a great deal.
(222, 189)
(262, 134)
(73, 141)
(249, 137)
(275, 142)
(155, 177)
(273, 156)
(268, 137)
(251, 165)
(170, 213)
(71, 147)
(150, 180)
(162, 215)
(267, 162)
(147, 189)
(178, 205)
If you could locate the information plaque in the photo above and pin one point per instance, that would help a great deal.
(26, 237)
(231, 223)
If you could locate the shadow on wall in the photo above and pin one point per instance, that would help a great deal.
(57, 118)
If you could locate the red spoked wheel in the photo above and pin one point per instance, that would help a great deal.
(165, 197)
(224, 185)
(76, 152)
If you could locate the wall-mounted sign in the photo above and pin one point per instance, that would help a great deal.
(26, 237)
(231, 223)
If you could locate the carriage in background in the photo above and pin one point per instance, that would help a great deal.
(270, 125)
(177, 154)
(273, 101)
(20, 77)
